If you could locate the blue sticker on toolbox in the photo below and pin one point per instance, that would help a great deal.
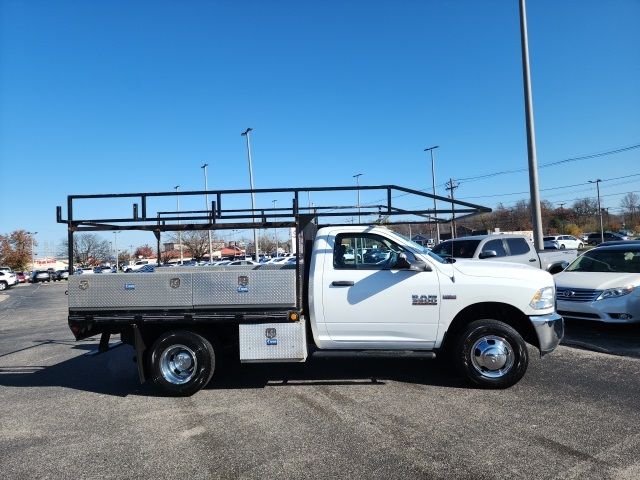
(272, 341)
(129, 286)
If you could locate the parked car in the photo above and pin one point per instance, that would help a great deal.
(596, 238)
(602, 285)
(551, 245)
(566, 241)
(619, 242)
(60, 275)
(40, 276)
(7, 279)
(138, 265)
(243, 262)
(505, 248)
(22, 277)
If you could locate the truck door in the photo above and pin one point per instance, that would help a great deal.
(370, 303)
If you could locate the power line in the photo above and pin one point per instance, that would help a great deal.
(552, 164)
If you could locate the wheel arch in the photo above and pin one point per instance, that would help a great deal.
(504, 312)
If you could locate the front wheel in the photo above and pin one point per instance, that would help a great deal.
(181, 362)
(3, 286)
(491, 354)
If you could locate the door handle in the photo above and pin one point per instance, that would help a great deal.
(532, 259)
(342, 283)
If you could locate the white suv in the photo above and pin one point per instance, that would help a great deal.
(7, 279)
(566, 241)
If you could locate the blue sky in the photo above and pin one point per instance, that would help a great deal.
(102, 97)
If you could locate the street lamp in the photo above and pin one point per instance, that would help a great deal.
(433, 183)
(115, 244)
(177, 187)
(531, 135)
(206, 203)
(33, 261)
(597, 182)
(247, 135)
(275, 230)
(357, 177)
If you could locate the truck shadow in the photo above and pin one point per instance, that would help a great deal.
(362, 372)
(114, 373)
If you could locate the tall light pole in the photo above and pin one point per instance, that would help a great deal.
(247, 135)
(536, 215)
(206, 203)
(357, 177)
(177, 187)
(33, 261)
(433, 184)
(597, 182)
(115, 246)
(275, 230)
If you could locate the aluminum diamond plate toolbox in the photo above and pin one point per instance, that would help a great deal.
(245, 288)
(130, 291)
(273, 342)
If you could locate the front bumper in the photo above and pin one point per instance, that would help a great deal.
(549, 329)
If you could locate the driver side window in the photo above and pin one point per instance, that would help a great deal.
(497, 246)
(365, 251)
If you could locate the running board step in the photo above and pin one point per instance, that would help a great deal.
(372, 354)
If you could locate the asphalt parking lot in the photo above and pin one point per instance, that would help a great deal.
(66, 413)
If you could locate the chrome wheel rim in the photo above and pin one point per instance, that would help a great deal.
(178, 364)
(492, 356)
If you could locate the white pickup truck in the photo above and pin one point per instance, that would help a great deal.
(361, 290)
(506, 248)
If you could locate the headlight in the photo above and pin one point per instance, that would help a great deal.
(616, 292)
(544, 298)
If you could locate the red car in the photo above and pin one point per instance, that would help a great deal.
(22, 277)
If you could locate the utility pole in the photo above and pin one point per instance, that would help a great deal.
(357, 177)
(597, 182)
(536, 215)
(115, 246)
(275, 230)
(451, 185)
(206, 204)
(179, 231)
(562, 204)
(246, 134)
(433, 183)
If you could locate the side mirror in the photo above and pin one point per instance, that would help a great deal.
(403, 263)
(488, 254)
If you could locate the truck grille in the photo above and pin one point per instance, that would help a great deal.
(569, 294)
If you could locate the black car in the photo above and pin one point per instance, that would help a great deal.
(595, 238)
(60, 275)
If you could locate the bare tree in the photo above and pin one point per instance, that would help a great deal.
(196, 242)
(88, 248)
(630, 205)
(585, 210)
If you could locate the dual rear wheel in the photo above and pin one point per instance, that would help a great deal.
(181, 362)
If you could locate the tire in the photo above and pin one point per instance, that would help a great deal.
(580, 246)
(500, 343)
(562, 246)
(3, 286)
(181, 362)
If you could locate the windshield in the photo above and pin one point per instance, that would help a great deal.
(457, 248)
(619, 261)
(420, 248)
